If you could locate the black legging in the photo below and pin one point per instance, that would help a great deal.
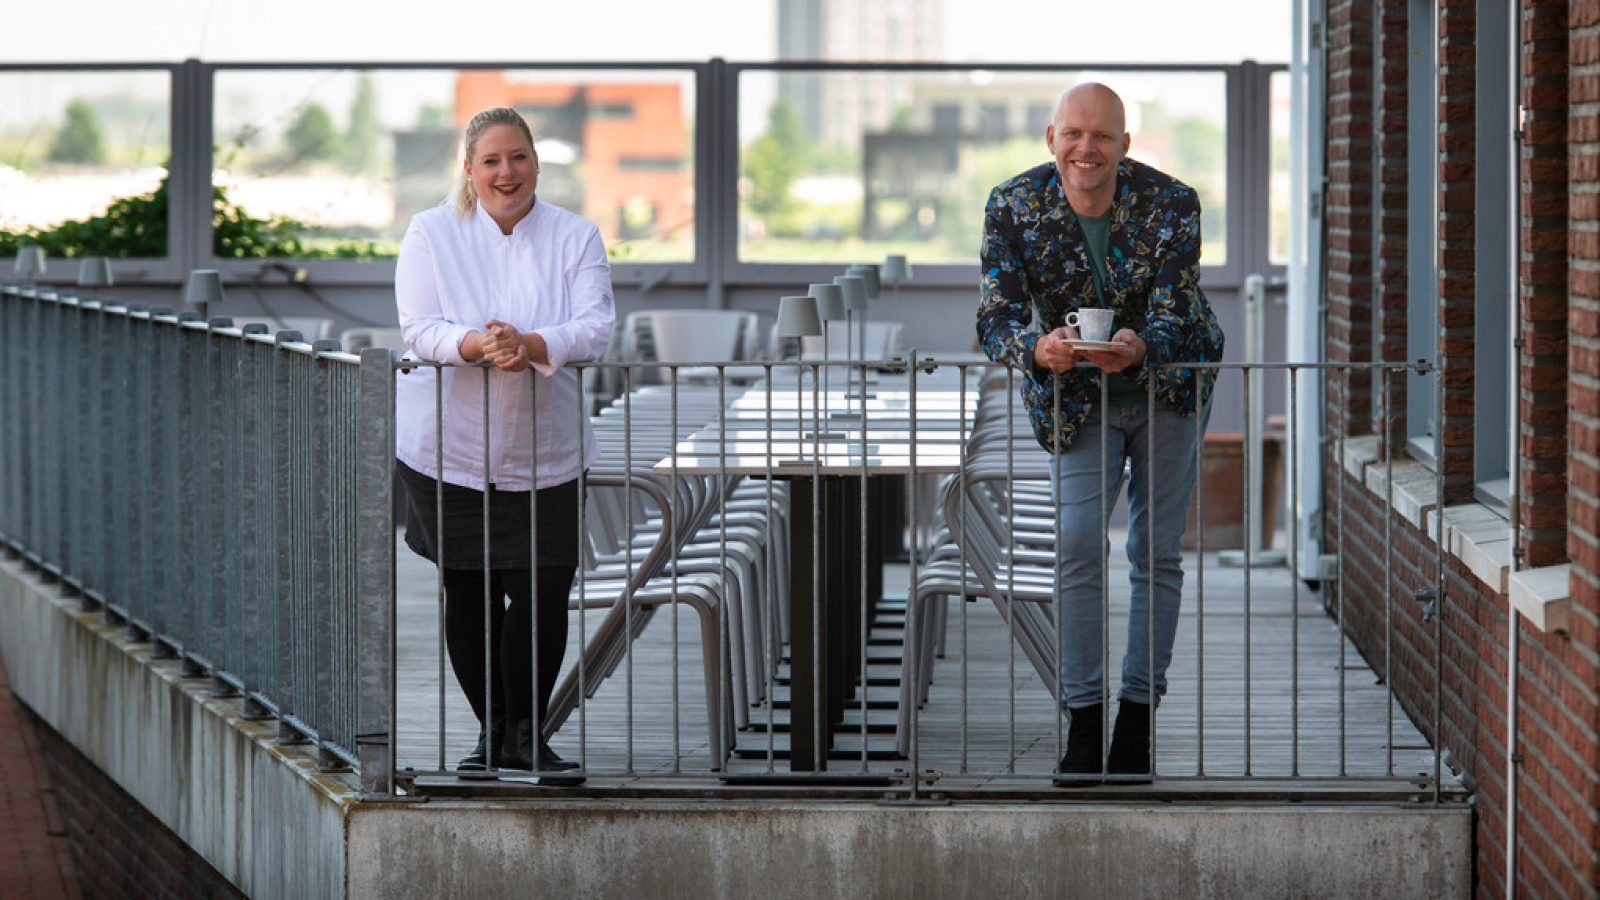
(510, 632)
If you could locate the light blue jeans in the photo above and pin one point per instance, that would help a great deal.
(1163, 464)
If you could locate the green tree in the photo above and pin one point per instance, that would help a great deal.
(772, 163)
(362, 137)
(784, 126)
(79, 140)
(312, 137)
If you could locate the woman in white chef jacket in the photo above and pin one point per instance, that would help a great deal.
(503, 280)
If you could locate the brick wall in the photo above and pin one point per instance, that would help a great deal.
(1349, 208)
(1549, 228)
(1458, 135)
(122, 851)
(1389, 218)
(1557, 802)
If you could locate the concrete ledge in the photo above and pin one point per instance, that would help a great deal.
(1481, 539)
(259, 813)
(808, 850)
(1544, 596)
(1473, 533)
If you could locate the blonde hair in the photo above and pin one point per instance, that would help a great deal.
(465, 196)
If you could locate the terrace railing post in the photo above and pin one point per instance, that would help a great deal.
(375, 563)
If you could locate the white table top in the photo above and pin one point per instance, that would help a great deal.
(786, 438)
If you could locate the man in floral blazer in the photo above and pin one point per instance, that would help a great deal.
(1097, 229)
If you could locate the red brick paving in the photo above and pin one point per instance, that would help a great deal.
(35, 862)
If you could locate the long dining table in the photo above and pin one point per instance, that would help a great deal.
(830, 430)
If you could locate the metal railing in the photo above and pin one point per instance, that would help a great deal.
(228, 495)
(200, 483)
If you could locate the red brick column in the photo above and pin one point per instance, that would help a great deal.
(1391, 63)
(1458, 135)
(1349, 212)
(1559, 253)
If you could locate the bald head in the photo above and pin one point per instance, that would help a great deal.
(1093, 99)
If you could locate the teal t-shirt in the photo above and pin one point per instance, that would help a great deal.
(1097, 233)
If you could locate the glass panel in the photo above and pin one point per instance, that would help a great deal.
(1278, 196)
(844, 166)
(83, 157)
(337, 161)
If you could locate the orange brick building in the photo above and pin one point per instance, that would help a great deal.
(630, 165)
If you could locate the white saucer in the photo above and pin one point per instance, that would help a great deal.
(1095, 345)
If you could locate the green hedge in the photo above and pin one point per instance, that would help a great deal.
(136, 227)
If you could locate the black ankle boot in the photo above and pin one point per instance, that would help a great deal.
(1085, 738)
(550, 762)
(523, 747)
(492, 736)
(1130, 742)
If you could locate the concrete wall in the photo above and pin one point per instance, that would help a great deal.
(802, 850)
(259, 813)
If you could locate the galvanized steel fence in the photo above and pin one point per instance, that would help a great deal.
(200, 484)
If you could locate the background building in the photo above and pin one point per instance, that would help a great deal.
(838, 109)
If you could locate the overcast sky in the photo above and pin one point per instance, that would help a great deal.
(1056, 31)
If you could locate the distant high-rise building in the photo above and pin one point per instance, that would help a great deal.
(840, 107)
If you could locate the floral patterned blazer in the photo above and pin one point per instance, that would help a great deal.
(1036, 270)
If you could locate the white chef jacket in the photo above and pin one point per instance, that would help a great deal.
(454, 274)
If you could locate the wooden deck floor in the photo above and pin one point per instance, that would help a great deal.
(1301, 704)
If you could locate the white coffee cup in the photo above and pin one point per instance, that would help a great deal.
(1092, 324)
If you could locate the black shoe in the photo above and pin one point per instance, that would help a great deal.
(550, 762)
(519, 748)
(516, 751)
(477, 760)
(1130, 743)
(1085, 740)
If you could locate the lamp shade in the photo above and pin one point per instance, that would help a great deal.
(896, 269)
(855, 292)
(30, 262)
(94, 271)
(205, 286)
(830, 301)
(797, 317)
(870, 274)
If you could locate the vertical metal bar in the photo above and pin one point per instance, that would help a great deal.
(1199, 500)
(1294, 579)
(869, 603)
(282, 590)
(491, 658)
(321, 652)
(1150, 558)
(376, 726)
(773, 637)
(725, 638)
(583, 522)
(1342, 410)
(438, 531)
(1104, 546)
(821, 721)
(1440, 600)
(533, 569)
(674, 543)
(627, 591)
(1389, 450)
(1249, 460)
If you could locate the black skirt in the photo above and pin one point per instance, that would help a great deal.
(510, 532)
